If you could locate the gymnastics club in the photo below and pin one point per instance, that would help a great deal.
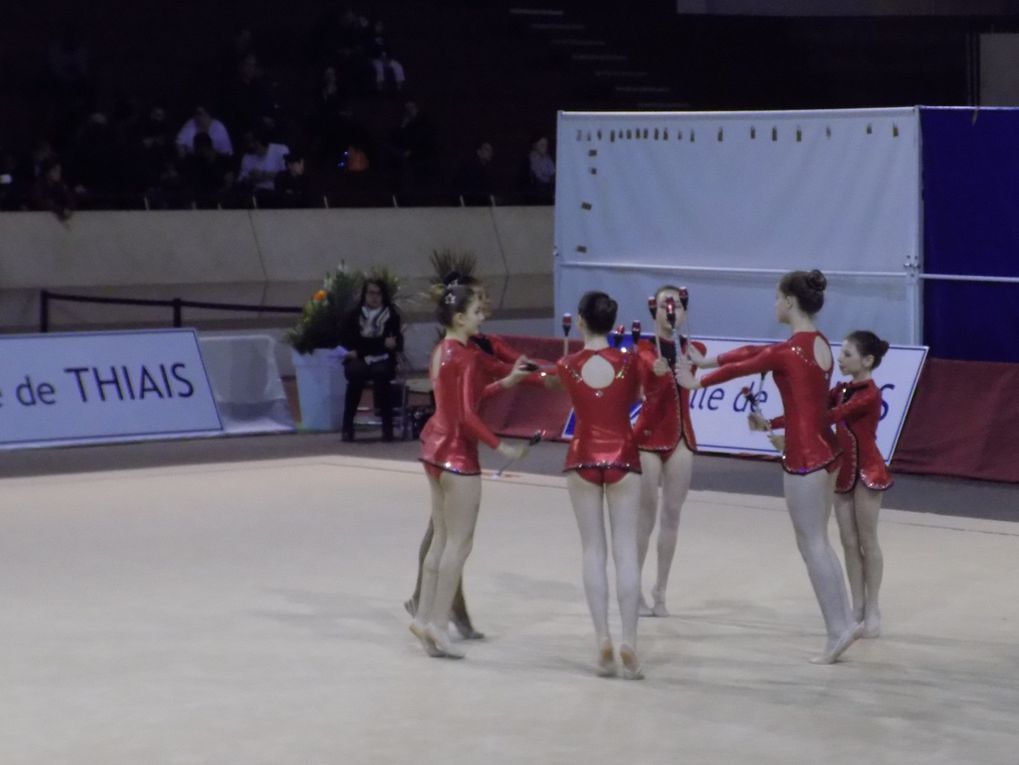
(748, 393)
(533, 441)
(567, 323)
(635, 334)
(617, 336)
(652, 306)
(684, 299)
(670, 314)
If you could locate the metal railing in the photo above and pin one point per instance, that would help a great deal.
(176, 304)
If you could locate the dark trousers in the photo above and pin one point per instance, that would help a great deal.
(381, 375)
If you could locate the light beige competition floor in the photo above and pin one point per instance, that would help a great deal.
(251, 613)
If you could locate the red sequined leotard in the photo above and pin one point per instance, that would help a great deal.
(809, 442)
(450, 438)
(856, 411)
(602, 437)
(664, 418)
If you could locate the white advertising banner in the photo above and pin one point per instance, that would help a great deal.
(105, 386)
(724, 203)
(719, 413)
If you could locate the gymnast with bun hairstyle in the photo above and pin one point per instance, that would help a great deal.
(855, 408)
(449, 451)
(603, 468)
(802, 368)
(497, 361)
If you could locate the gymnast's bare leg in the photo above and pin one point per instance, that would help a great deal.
(455, 503)
(458, 615)
(857, 515)
(674, 476)
(809, 499)
(588, 501)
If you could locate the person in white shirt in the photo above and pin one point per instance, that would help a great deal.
(261, 163)
(203, 122)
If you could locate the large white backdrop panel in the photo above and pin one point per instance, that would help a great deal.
(647, 198)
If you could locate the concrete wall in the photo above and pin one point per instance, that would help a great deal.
(999, 70)
(262, 257)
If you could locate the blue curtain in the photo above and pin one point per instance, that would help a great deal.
(971, 226)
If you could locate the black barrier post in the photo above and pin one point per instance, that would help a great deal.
(44, 311)
(177, 321)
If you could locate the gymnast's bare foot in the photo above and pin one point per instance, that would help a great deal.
(631, 664)
(838, 646)
(643, 609)
(418, 631)
(606, 660)
(467, 631)
(441, 640)
(659, 609)
(872, 624)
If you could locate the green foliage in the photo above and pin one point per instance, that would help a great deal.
(319, 325)
(444, 261)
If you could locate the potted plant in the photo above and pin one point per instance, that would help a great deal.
(316, 344)
(317, 354)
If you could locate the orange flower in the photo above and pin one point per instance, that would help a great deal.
(319, 296)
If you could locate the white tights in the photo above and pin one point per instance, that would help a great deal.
(623, 498)
(809, 499)
(674, 478)
(455, 503)
(857, 515)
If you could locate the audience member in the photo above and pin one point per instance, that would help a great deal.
(415, 145)
(97, 160)
(203, 122)
(262, 161)
(247, 98)
(473, 182)
(49, 192)
(350, 52)
(373, 337)
(12, 192)
(542, 168)
(152, 147)
(42, 154)
(383, 61)
(292, 183)
(208, 175)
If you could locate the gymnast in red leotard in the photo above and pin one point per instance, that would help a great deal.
(667, 444)
(603, 467)
(802, 367)
(855, 408)
(497, 360)
(449, 450)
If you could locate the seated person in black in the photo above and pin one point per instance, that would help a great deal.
(372, 335)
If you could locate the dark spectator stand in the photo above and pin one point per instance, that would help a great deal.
(949, 430)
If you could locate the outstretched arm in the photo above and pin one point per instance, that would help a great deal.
(748, 360)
